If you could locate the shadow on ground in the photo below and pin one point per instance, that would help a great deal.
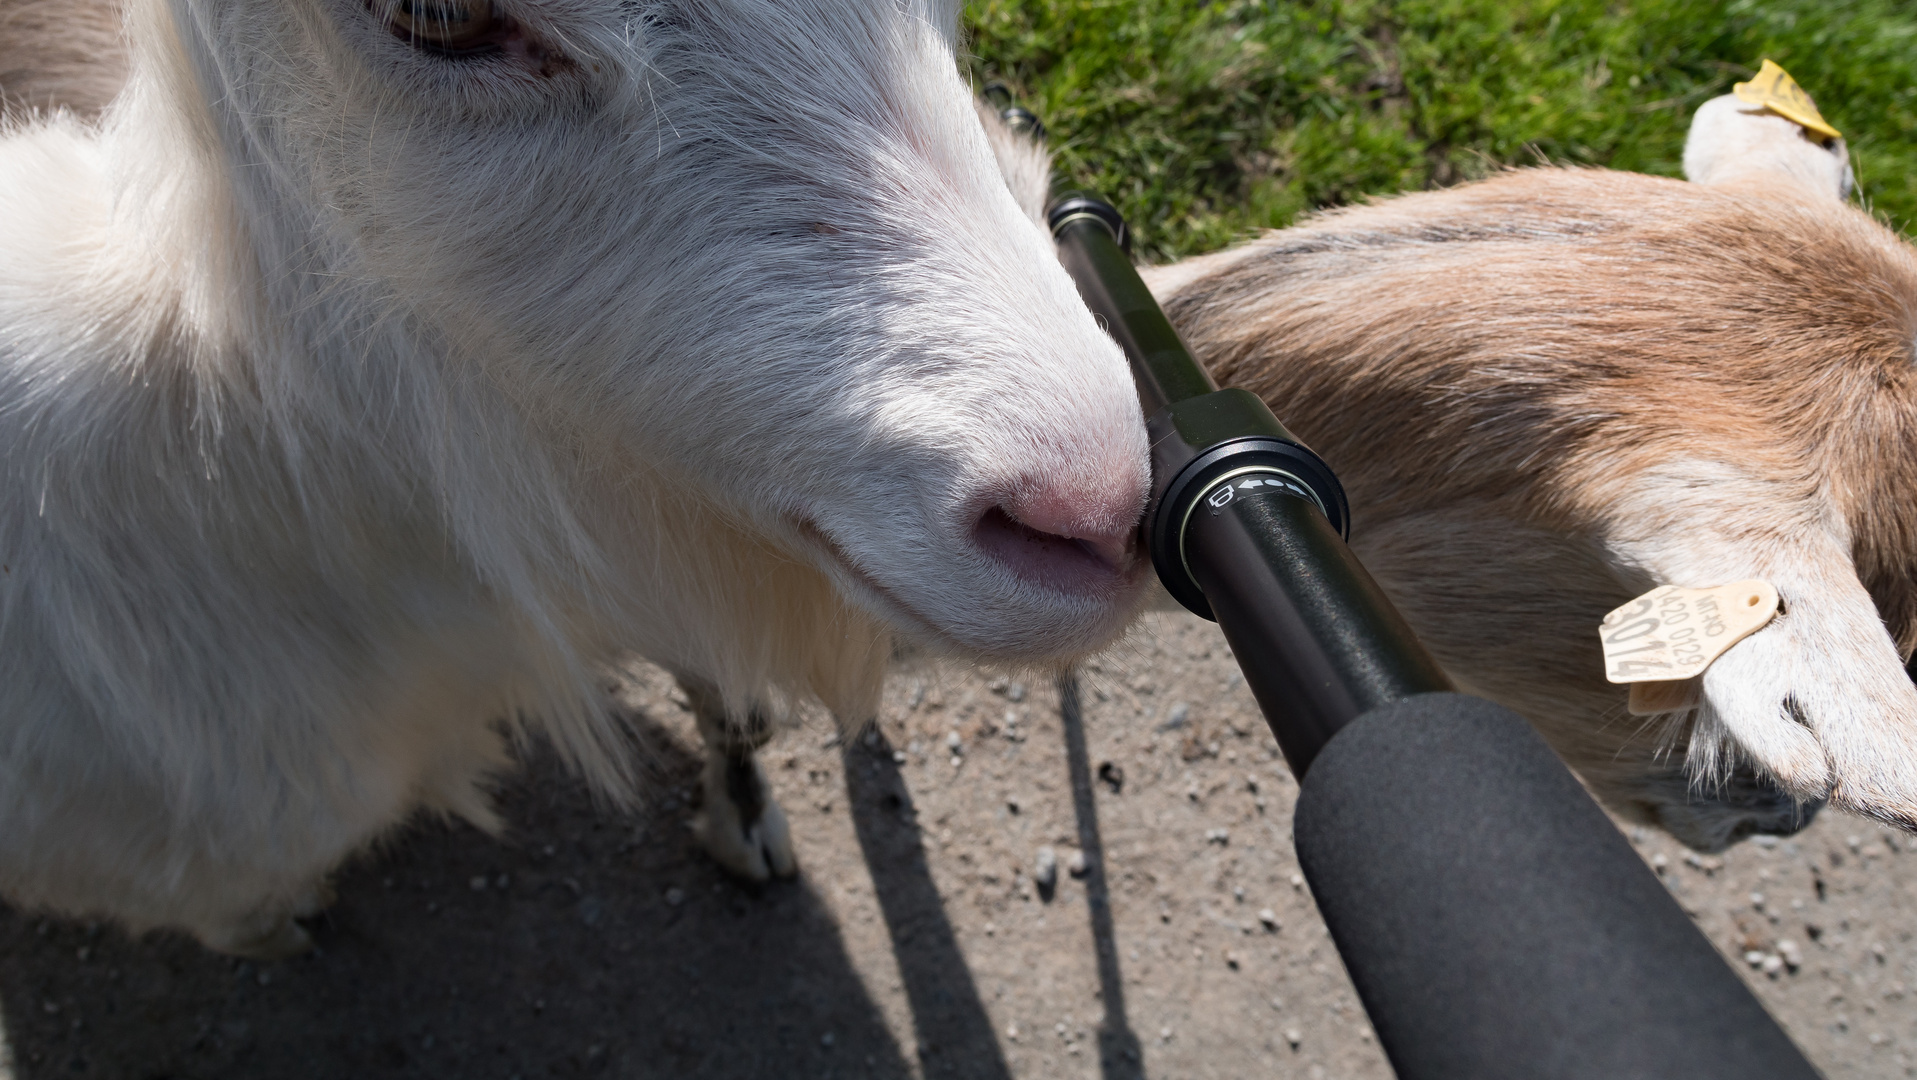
(954, 1033)
(582, 943)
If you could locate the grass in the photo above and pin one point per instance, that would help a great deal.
(1205, 122)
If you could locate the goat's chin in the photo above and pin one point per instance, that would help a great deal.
(1017, 599)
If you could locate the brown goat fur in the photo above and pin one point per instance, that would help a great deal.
(60, 54)
(1554, 390)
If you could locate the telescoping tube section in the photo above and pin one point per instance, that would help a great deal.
(1494, 922)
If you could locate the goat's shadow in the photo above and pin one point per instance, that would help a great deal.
(954, 1032)
(583, 943)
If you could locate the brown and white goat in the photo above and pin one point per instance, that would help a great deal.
(1553, 390)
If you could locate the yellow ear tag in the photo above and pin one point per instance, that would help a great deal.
(1663, 640)
(1774, 89)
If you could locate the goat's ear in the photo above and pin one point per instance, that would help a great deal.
(1732, 140)
(1022, 160)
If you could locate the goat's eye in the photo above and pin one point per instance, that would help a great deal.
(446, 26)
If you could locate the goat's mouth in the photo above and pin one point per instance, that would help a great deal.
(1095, 579)
(902, 612)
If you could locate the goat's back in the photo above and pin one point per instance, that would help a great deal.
(1514, 335)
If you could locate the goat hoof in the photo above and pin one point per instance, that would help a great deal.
(313, 901)
(266, 938)
(756, 851)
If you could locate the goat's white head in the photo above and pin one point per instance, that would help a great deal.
(761, 245)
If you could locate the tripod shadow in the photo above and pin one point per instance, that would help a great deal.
(1119, 1055)
(954, 1033)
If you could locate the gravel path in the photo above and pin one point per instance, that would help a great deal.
(1174, 938)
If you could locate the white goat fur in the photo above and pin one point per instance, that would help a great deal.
(358, 406)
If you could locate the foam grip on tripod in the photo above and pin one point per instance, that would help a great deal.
(1495, 922)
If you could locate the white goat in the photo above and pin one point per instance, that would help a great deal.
(374, 373)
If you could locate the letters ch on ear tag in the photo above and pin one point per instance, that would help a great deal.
(1774, 89)
(1662, 641)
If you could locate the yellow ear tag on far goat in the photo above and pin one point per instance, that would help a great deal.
(1663, 640)
(1774, 89)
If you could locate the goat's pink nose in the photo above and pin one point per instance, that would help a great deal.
(1077, 537)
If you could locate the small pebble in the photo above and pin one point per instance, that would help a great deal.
(898, 757)
(1045, 868)
(1269, 918)
(675, 896)
(477, 884)
(1293, 1037)
(1011, 1032)
(1792, 955)
(1077, 864)
(826, 1040)
(1218, 836)
(953, 742)
(1175, 717)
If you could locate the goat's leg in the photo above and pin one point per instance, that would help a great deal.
(741, 826)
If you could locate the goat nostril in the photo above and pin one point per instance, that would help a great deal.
(1072, 563)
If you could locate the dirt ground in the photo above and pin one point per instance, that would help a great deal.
(915, 943)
